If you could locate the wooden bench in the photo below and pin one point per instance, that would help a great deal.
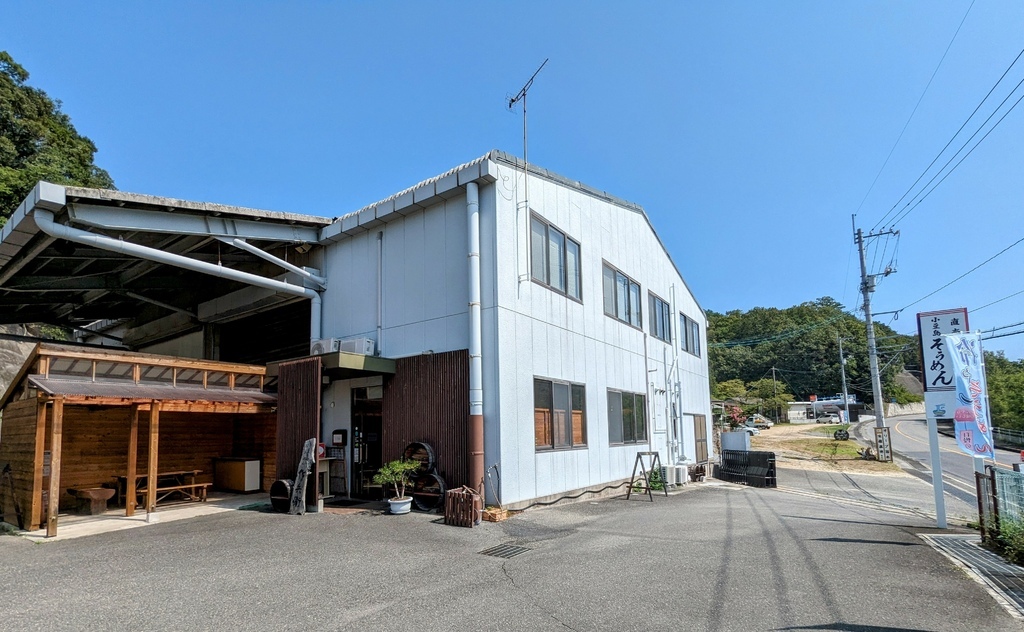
(191, 491)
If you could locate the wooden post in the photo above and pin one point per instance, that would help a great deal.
(56, 430)
(154, 438)
(35, 506)
(133, 461)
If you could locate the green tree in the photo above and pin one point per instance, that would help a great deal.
(1005, 390)
(38, 142)
(729, 389)
(801, 344)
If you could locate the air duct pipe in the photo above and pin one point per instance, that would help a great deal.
(476, 389)
(44, 219)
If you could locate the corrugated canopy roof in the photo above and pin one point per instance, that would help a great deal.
(120, 389)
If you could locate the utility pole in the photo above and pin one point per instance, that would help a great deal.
(775, 395)
(867, 286)
(842, 370)
(521, 96)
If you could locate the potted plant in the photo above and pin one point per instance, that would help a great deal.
(397, 473)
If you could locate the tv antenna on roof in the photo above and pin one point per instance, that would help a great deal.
(521, 96)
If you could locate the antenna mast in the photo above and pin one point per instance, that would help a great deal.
(521, 96)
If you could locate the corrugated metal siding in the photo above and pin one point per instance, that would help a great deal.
(428, 400)
(298, 412)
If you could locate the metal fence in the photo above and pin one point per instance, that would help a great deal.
(1008, 436)
(1000, 499)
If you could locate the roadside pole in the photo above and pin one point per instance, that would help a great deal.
(937, 487)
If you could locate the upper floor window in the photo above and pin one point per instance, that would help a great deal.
(661, 319)
(689, 336)
(621, 296)
(554, 258)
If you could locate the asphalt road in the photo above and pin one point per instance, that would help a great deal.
(715, 557)
(909, 436)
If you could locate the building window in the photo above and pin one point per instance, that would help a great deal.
(559, 415)
(661, 319)
(689, 336)
(700, 438)
(554, 258)
(627, 417)
(621, 296)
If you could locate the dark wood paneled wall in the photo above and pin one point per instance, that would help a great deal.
(18, 447)
(298, 412)
(428, 400)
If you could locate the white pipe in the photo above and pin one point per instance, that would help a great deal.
(263, 254)
(380, 293)
(476, 391)
(44, 219)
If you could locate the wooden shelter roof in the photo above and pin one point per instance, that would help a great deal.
(112, 377)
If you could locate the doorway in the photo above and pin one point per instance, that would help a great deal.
(367, 452)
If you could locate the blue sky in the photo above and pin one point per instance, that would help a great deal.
(749, 131)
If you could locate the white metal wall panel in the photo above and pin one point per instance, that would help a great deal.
(544, 334)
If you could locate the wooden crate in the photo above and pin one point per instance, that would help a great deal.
(461, 507)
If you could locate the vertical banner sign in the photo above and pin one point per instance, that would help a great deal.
(973, 431)
(884, 445)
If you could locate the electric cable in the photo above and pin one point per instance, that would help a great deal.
(978, 309)
(917, 105)
(953, 137)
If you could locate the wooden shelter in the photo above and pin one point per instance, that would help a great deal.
(87, 418)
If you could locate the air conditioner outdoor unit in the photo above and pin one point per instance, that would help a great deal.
(323, 345)
(362, 346)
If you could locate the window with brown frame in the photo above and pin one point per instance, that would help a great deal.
(559, 415)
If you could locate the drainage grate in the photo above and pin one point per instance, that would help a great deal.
(505, 551)
(1007, 580)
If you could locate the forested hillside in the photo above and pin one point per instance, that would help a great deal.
(38, 142)
(801, 343)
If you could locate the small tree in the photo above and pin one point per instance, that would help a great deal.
(397, 473)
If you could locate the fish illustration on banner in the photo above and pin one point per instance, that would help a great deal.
(971, 418)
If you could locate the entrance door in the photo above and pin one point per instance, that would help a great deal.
(367, 454)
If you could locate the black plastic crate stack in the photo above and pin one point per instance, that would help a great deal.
(756, 469)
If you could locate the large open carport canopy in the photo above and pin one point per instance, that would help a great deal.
(70, 256)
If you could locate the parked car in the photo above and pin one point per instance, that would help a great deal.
(751, 431)
(827, 418)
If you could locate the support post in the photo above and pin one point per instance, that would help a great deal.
(154, 440)
(476, 388)
(56, 432)
(867, 286)
(133, 461)
(937, 487)
(35, 517)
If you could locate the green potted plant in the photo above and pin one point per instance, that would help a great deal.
(397, 473)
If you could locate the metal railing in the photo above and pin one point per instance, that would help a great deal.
(1000, 500)
(1008, 436)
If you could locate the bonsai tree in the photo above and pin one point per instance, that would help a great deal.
(397, 473)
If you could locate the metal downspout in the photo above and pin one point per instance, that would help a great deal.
(476, 390)
(44, 219)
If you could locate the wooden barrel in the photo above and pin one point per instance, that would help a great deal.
(422, 452)
(281, 495)
(428, 492)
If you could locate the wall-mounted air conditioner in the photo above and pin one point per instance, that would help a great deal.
(362, 346)
(323, 345)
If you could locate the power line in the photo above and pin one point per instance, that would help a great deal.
(917, 105)
(992, 129)
(961, 276)
(1011, 333)
(978, 309)
(953, 137)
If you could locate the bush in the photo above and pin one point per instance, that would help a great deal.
(1011, 540)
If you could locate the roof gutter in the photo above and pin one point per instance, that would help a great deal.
(44, 219)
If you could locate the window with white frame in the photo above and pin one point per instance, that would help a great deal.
(554, 259)
(559, 415)
(689, 335)
(621, 296)
(627, 417)
(661, 318)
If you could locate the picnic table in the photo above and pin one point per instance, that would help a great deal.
(180, 483)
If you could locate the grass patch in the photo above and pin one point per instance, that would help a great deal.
(825, 448)
(828, 430)
(7, 529)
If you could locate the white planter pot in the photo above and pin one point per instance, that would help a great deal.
(400, 505)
